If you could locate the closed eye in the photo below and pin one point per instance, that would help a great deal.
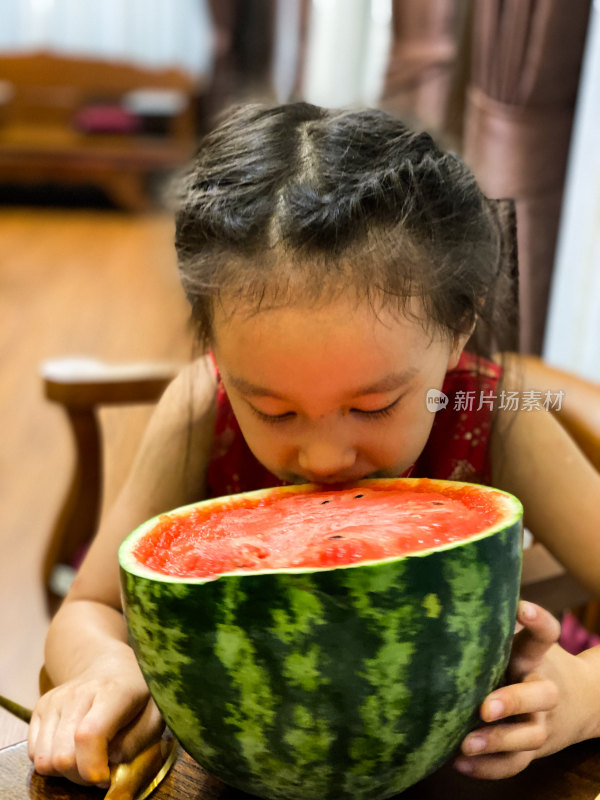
(378, 413)
(273, 418)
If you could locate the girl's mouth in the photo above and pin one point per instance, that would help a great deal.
(336, 480)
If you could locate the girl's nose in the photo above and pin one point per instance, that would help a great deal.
(325, 460)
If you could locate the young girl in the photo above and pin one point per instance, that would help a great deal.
(337, 265)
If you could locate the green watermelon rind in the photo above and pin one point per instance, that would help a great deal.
(297, 684)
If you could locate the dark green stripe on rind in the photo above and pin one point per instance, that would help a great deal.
(347, 683)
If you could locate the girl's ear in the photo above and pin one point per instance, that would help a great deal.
(458, 343)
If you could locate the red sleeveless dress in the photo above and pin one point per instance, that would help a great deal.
(457, 448)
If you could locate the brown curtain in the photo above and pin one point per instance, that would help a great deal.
(243, 49)
(422, 73)
(526, 57)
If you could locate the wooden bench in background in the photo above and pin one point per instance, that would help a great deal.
(80, 121)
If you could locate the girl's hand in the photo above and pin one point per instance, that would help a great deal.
(542, 712)
(105, 715)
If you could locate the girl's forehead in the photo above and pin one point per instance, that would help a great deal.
(345, 310)
(337, 330)
(319, 357)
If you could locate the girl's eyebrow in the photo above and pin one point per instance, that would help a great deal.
(386, 384)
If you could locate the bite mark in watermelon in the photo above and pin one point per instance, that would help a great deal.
(292, 667)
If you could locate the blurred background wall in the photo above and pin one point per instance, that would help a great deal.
(149, 33)
(495, 79)
(573, 331)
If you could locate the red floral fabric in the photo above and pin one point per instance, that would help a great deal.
(457, 448)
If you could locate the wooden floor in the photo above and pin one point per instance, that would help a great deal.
(72, 282)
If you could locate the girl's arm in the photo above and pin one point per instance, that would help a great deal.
(554, 700)
(535, 458)
(101, 705)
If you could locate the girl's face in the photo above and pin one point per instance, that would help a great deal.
(331, 394)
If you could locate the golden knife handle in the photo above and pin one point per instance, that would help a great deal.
(15, 709)
(126, 780)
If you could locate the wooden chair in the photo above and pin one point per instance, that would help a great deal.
(82, 387)
(544, 579)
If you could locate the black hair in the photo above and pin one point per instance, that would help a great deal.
(294, 203)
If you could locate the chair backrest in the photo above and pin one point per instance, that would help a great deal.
(81, 387)
(576, 405)
(576, 402)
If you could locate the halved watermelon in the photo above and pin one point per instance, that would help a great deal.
(306, 643)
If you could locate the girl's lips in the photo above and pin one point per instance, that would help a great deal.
(338, 480)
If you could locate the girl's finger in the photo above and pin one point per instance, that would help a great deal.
(541, 624)
(139, 734)
(102, 722)
(505, 738)
(32, 735)
(64, 755)
(494, 767)
(41, 749)
(529, 697)
(540, 631)
(91, 754)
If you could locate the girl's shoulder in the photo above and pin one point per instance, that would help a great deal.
(196, 384)
(178, 439)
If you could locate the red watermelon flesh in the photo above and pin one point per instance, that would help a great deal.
(314, 529)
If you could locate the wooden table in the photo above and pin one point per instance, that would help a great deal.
(573, 774)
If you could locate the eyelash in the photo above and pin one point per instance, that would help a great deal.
(372, 415)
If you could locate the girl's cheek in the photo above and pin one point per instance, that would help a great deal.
(270, 447)
(406, 441)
